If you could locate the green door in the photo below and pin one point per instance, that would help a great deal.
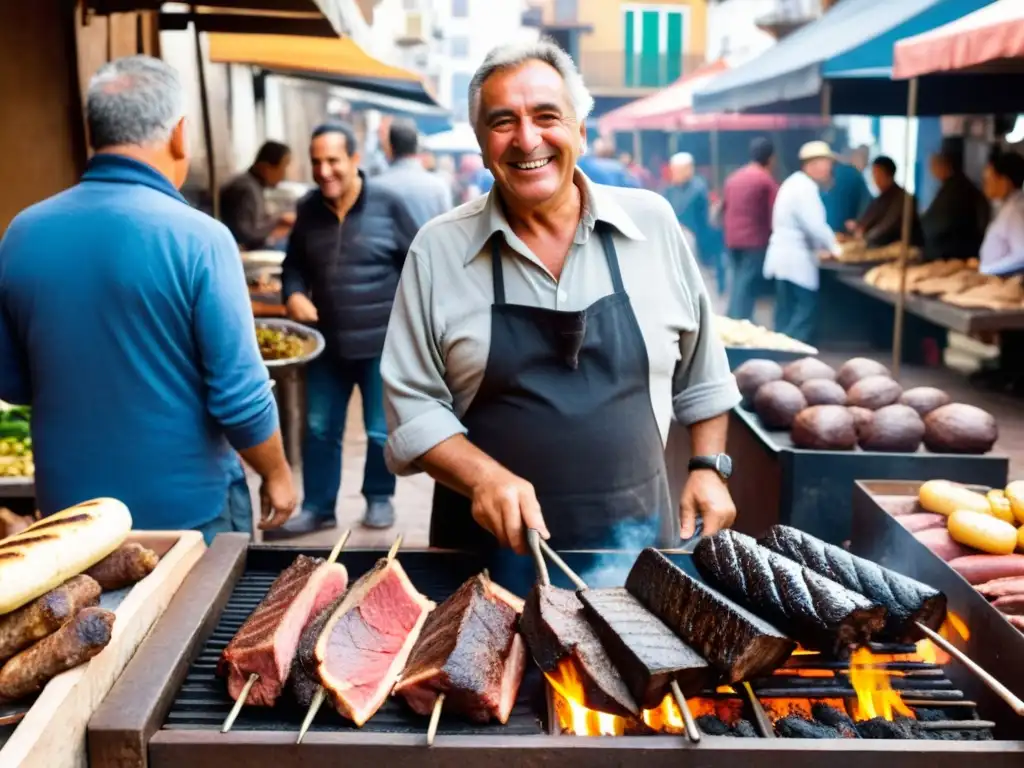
(650, 54)
(674, 46)
(654, 57)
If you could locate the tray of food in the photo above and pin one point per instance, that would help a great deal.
(860, 406)
(745, 340)
(78, 592)
(284, 343)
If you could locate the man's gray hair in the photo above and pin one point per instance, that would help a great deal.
(136, 100)
(514, 55)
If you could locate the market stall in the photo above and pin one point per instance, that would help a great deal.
(81, 593)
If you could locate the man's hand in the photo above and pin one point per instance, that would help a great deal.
(707, 495)
(506, 505)
(277, 500)
(301, 309)
(287, 218)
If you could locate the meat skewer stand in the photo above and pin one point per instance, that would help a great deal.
(240, 701)
(318, 697)
(540, 547)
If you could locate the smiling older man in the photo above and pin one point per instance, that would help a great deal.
(544, 336)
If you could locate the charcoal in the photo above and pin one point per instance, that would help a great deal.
(645, 652)
(835, 718)
(880, 728)
(556, 630)
(817, 611)
(744, 729)
(931, 715)
(906, 601)
(732, 639)
(712, 726)
(973, 734)
(796, 727)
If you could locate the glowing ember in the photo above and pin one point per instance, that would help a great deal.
(875, 695)
(953, 628)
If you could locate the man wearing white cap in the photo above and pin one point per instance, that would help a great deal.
(800, 234)
(688, 196)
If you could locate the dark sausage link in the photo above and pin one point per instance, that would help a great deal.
(46, 614)
(124, 566)
(73, 644)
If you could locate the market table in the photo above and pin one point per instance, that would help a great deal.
(775, 482)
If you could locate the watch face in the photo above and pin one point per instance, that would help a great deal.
(723, 463)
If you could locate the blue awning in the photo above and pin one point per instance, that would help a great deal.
(850, 46)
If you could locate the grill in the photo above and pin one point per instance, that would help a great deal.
(167, 708)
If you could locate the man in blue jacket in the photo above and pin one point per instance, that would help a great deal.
(126, 324)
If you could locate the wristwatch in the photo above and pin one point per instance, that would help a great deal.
(720, 462)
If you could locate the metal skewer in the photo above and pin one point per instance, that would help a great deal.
(692, 731)
(998, 688)
(760, 716)
(318, 696)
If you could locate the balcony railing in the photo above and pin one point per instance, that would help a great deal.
(614, 69)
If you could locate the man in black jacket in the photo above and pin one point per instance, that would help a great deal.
(882, 222)
(243, 208)
(341, 272)
(954, 224)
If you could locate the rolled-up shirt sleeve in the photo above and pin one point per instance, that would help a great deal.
(703, 386)
(417, 401)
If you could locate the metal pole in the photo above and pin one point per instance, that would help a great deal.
(204, 101)
(908, 214)
(714, 159)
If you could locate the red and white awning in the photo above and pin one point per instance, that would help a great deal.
(990, 37)
(671, 109)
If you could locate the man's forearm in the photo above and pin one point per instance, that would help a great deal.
(708, 437)
(267, 458)
(458, 464)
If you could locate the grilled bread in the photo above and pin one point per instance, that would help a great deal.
(58, 547)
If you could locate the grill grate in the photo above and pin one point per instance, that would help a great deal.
(202, 703)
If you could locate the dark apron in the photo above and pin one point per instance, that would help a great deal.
(565, 403)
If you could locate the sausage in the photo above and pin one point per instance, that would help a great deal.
(922, 521)
(58, 547)
(978, 569)
(1011, 585)
(46, 614)
(941, 543)
(1011, 604)
(73, 644)
(124, 566)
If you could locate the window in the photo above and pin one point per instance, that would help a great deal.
(566, 11)
(654, 44)
(460, 95)
(458, 47)
(460, 9)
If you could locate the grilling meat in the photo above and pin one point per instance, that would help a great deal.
(303, 679)
(266, 643)
(556, 630)
(470, 651)
(819, 612)
(75, 643)
(736, 642)
(368, 638)
(46, 614)
(905, 600)
(124, 566)
(645, 652)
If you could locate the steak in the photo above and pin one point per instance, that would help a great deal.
(303, 679)
(907, 601)
(819, 612)
(646, 653)
(556, 631)
(266, 643)
(736, 642)
(467, 651)
(367, 640)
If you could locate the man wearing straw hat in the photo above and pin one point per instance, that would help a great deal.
(800, 237)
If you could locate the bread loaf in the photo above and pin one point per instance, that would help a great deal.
(58, 547)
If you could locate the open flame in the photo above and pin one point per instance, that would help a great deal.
(875, 694)
(952, 628)
(575, 718)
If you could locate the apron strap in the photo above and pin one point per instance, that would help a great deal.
(604, 231)
(496, 270)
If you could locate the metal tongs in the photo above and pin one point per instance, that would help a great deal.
(539, 548)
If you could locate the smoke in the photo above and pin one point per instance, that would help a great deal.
(626, 539)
